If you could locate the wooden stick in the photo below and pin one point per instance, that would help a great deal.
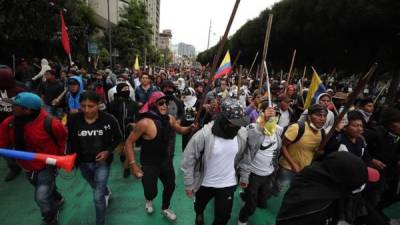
(290, 71)
(265, 51)
(380, 93)
(252, 64)
(216, 60)
(268, 86)
(239, 81)
(350, 101)
(236, 59)
(302, 84)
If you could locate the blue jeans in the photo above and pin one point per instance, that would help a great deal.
(54, 111)
(285, 177)
(96, 174)
(45, 193)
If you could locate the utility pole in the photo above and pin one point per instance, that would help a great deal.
(209, 33)
(109, 32)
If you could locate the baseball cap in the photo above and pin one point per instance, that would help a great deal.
(317, 108)
(27, 100)
(154, 97)
(232, 110)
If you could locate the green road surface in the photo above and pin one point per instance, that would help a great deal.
(126, 207)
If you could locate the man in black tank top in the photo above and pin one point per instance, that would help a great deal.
(154, 131)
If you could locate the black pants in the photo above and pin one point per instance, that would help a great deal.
(256, 194)
(166, 173)
(223, 198)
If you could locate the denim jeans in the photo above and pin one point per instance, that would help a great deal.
(96, 174)
(54, 111)
(285, 177)
(45, 193)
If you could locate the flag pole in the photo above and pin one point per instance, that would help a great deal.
(265, 50)
(70, 59)
(216, 59)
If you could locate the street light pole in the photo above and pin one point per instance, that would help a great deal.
(109, 32)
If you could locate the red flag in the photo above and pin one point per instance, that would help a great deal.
(64, 36)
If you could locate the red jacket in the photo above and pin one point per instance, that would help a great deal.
(36, 139)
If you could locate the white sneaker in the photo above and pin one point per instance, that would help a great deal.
(108, 196)
(169, 214)
(149, 207)
(240, 223)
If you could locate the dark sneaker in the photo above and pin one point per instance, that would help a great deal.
(11, 175)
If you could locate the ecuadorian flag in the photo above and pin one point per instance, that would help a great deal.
(316, 88)
(225, 67)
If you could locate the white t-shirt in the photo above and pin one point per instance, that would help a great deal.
(262, 163)
(220, 166)
(284, 119)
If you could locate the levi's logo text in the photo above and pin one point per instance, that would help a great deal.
(84, 133)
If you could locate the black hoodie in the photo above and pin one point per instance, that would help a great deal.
(320, 186)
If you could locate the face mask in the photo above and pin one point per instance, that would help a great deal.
(169, 93)
(314, 127)
(124, 94)
(367, 113)
(269, 126)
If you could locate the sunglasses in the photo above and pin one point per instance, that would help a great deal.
(162, 102)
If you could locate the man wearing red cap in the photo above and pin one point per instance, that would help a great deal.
(154, 131)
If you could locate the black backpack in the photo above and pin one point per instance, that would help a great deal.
(47, 127)
(300, 133)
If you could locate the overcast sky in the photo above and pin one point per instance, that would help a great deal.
(189, 20)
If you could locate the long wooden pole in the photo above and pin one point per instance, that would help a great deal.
(290, 71)
(381, 92)
(239, 81)
(216, 59)
(350, 101)
(252, 64)
(236, 59)
(302, 84)
(265, 51)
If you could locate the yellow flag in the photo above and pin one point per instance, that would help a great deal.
(316, 88)
(137, 67)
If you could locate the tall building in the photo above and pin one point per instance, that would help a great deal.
(164, 39)
(153, 11)
(186, 50)
(100, 8)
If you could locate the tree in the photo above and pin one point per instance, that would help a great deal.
(132, 35)
(32, 28)
(345, 34)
